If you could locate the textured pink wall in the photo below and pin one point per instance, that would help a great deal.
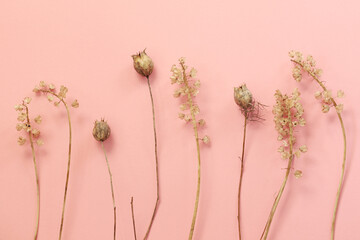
(86, 45)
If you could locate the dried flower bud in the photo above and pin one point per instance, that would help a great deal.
(101, 130)
(243, 97)
(143, 63)
(21, 141)
(75, 104)
(206, 139)
(298, 174)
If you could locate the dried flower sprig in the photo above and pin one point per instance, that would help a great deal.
(288, 114)
(57, 98)
(24, 124)
(189, 88)
(325, 96)
(101, 132)
(251, 111)
(144, 65)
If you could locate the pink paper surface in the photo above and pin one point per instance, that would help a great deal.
(86, 46)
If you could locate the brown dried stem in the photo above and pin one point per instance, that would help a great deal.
(278, 197)
(133, 217)
(156, 165)
(339, 190)
(112, 187)
(69, 159)
(36, 175)
(241, 173)
(195, 127)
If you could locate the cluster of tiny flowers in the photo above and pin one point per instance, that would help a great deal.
(309, 65)
(188, 89)
(326, 99)
(288, 114)
(25, 124)
(50, 91)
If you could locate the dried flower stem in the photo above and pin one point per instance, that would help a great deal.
(133, 217)
(194, 122)
(69, 160)
(112, 188)
(156, 164)
(36, 175)
(277, 200)
(344, 154)
(241, 173)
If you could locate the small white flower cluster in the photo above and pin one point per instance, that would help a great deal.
(309, 65)
(49, 89)
(24, 122)
(188, 89)
(288, 114)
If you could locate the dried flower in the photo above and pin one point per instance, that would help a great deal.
(243, 97)
(40, 142)
(188, 89)
(49, 91)
(287, 110)
(38, 119)
(75, 104)
(101, 130)
(143, 63)
(206, 139)
(298, 174)
(21, 140)
(327, 101)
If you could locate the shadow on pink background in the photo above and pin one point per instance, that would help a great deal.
(86, 46)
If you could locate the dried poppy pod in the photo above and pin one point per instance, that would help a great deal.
(143, 63)
(243, 97)
(101, 130)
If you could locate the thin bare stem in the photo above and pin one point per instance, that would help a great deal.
(69, 160)
(278, 197)
(133, 217)
(112, 188)
(156, 165)
(195, 127)
(36, 176)
(241, 175)
(339, 190)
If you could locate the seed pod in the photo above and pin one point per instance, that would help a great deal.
(143, 64)
(243, 97)
(101, 130)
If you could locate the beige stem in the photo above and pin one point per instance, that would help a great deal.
(339, 190)
(156, 165)
(133, 217)
(241, 175)
(112, 188)
(36, 177)
(278, 197)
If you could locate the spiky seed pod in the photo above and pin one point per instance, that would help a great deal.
(243, 97)
(101, 130)
(143, 64)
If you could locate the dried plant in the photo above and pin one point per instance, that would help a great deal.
(27, 126)
(288, 114)
(50, 91)
(101, 132)
(144, 65)
(308, 65)
(133, 217)
(251, 111)
(189, 88)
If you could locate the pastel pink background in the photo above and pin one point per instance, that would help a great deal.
(86, 46)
